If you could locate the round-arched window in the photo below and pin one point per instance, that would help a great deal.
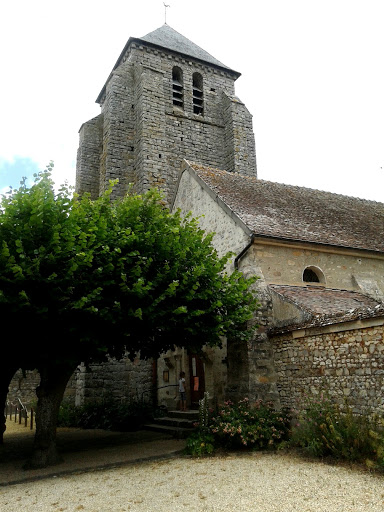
(313, 275)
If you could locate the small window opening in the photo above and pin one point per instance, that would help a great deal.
(198, 100)
(159, 155)
(177, 87)
(313, 275)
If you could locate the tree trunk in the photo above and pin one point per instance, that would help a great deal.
(50, 394)
(6, 375)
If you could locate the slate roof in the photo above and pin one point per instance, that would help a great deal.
(167, 38)
(297, 213)
(326, 306)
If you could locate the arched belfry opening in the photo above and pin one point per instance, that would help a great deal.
(198, 94)
(177, 87)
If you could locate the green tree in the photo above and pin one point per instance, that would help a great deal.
(80, 279)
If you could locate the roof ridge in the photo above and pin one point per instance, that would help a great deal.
(277, 183)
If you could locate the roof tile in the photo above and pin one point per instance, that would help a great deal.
(298, 213)
(326, 306)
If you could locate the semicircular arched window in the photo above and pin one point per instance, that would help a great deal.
(313, 275)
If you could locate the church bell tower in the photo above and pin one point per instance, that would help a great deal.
(165, 100)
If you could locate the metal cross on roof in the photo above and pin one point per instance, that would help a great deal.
(165, 11)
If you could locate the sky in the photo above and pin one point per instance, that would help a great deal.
(312, 77)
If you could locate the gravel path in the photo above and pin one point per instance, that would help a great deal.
(254, 482)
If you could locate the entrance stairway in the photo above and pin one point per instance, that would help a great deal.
(178, 424)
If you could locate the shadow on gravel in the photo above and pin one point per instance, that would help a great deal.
(18, 442)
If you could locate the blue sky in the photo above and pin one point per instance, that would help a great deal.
(12, 172)
(312, 77)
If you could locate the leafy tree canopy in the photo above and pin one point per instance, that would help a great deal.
(82, 278)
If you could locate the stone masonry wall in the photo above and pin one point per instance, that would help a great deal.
(24, 386)
(345, 270)
(250, 365)
(240, 153)
(347, 364)
(88, 157)
(145, 137)
(114, 380)
(117, 158)
(191, 196)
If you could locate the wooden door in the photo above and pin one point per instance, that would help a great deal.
(197, 383)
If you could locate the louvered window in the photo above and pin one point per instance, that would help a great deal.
(198, 97)
(177, 87)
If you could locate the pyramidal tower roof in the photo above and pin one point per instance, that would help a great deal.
(170, 40)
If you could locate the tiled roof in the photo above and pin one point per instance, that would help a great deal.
(170, 39)
(298, 213)
(325, 306)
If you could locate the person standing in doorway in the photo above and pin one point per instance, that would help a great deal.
(183, 395)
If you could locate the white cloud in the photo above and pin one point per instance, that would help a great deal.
(312, 79)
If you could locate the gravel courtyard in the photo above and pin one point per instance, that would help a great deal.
(252, 482)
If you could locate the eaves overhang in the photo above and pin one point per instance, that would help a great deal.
(322, 246)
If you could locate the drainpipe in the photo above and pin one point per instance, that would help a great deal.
(243, 252)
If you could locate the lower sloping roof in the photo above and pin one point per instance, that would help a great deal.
(325, 306)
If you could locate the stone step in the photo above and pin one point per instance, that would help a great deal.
(175, 422)
(178, 424)
(191, 415)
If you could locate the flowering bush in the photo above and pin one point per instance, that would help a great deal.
(242, 425)
(324, 428)
(202, 441)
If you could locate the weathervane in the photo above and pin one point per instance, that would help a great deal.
(165, 13)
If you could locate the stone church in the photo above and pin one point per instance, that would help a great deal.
(170, 119)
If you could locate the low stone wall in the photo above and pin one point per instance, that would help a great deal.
(347, 364)
(24, 386)
(114, 380)
(121, 380)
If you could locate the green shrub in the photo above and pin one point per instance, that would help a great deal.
(324, 428)
(256, 427)
(200, 443)
(106, 415)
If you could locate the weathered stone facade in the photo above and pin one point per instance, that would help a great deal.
(121, 381)
(24, 386)
(345, 361)
(143, 133)
(331, 353)
(154, 114)
(250, 370)
(170, 119)
(115, 380)
(342, 268)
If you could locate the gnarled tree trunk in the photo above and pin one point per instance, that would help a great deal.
(6, 374)
(50, 394)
